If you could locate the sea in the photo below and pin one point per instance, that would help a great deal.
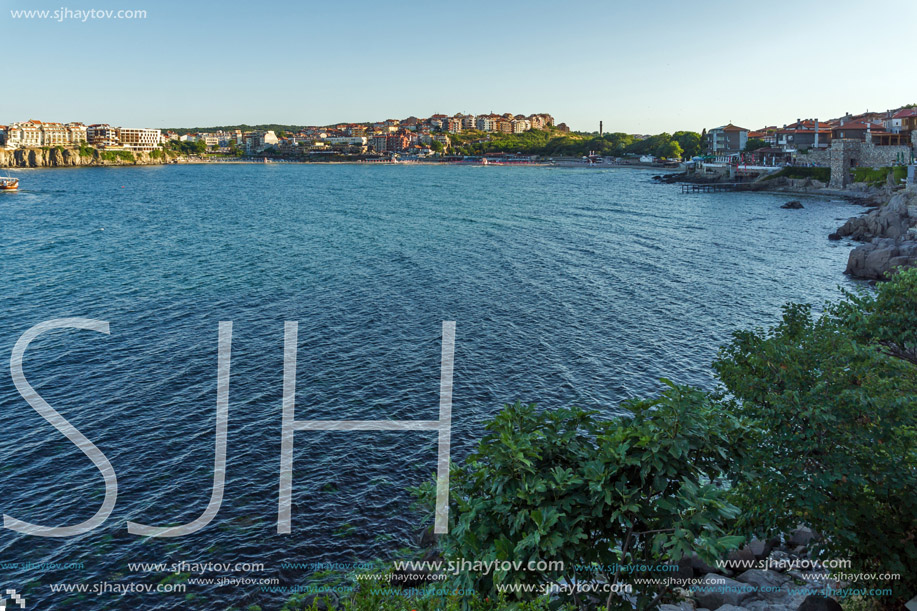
(567, 287)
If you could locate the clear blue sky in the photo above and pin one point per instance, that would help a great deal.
(640, 67)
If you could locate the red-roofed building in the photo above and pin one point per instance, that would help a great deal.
(855, 130)
(767, 134)
(727, 139)
(803, 135)
(871, 132)
(904, 120)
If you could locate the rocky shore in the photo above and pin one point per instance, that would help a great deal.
(888, 235)
(71, 157)
(887, 232)
(789, 578)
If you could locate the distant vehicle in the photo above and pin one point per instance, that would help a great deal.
(8, 184)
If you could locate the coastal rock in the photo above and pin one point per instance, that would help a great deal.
(819, 603)
(759, 548)
(55, 157)
(793, 205)
(768, 605)
(714, 591)
(779, 560)
(890, 236)
(875, 260)
(889, 221)
(803, 535)
(761, 578)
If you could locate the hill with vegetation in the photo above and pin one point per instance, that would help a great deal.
(555, 143)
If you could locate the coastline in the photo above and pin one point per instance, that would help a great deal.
(885, 232)
(59, 157)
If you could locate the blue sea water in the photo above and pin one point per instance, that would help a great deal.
(568, 287)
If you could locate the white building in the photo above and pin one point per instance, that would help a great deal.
(487, 123)
(346, 140)
(24, 134)
(139, 139)
(54, 134)
(76, 133)
(102, 135)
(255, 142)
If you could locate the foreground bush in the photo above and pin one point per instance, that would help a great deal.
(821, 429)
(568, 486)
(834, 400)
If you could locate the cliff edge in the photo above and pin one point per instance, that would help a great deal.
(54, 157)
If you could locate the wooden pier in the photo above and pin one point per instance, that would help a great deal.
(714, 187)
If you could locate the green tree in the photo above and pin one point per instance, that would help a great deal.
(753, 144)
(690, 143)
(672, 150)
(568, 486)
(834, 403)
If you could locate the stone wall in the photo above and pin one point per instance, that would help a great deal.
(881, 156)
(843, 153)
(819, 157)
(847, 153)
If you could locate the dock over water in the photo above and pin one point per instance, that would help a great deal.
(715, 187)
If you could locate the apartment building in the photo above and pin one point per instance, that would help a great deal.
(102, 134)
(139, 139)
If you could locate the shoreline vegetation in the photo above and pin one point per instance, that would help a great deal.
(805, 452)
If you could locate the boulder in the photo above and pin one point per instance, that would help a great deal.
(814, 602)
(762, 549)
(741, 558)
(779, 561)
(767, 605)
(793, 205)
(875, 260)
(889, 221)
(761, 579)
(714, 591)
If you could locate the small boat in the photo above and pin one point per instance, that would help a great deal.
(8, 184)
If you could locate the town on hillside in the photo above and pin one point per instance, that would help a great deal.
(410, 136)
(871, 139)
